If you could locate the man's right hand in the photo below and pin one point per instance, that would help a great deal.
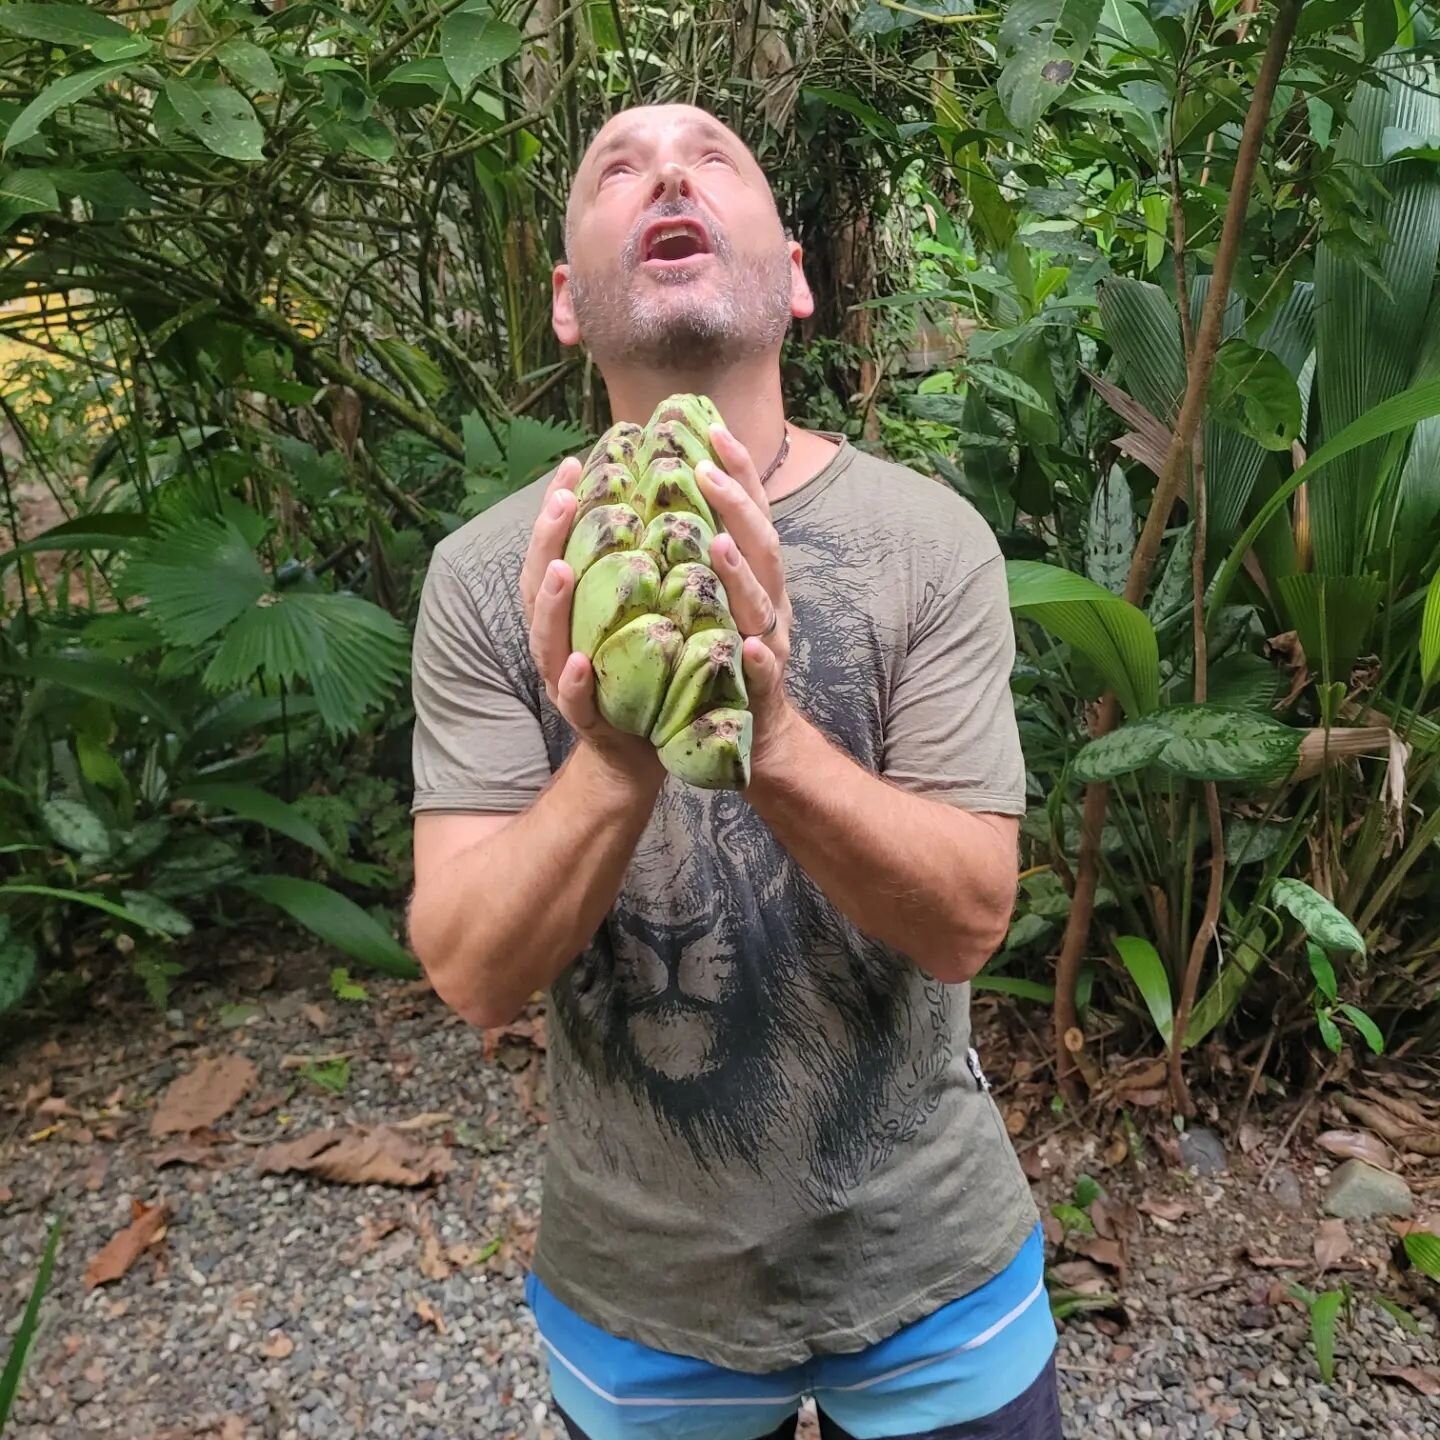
(547, 588)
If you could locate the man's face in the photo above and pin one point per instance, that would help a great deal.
(677, 257)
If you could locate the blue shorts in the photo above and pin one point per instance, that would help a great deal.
(980, 1368)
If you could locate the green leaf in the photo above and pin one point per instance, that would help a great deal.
(474, 41)
(1366, 1026)
(336, 920)
(414, 364)
(1398, 1313)
(344, 988)
(1148, 972)
(1322, 970)
(1254, 391)
(1333, 615)
(55, 96)
(100, 679)
(17, 966)
(1380, 26)
(1110, 632)
(1014, 986)
(1213, 742)
(530, 446)
(157, 914)
(198, 577)
(85, 532)
(84, 897)
(1423, 1249)
(1142, 325)
(1216, 1004)
(249, 64)
(1430, 632)
(1005, 384)
(222, 119)
(1320, 919)
(1155, 207)
(74, 825)
(249, 802)
(61, 24)
(25, 192)
(330, 1074)
(1251, 842)
(1110, 536)
(1173, 590)
(1323, 1315)
(29, 1324)
(1122, 752)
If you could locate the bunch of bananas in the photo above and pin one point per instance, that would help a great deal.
(649, 611)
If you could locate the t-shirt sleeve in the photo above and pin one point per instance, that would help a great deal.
(950, 731)
(477, 742)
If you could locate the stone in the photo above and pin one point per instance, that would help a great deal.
(1358, 1191)
(1203, 1151)
(1285, 1191)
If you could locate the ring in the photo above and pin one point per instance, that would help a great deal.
(770, 628)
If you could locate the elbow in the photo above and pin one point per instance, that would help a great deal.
(969, 938)
(460, 980)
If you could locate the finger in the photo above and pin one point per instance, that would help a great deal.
(566, 476)
(576, 691)
(762, 673)
(550, 629)
(547, 542)
(735, 461)
(750, 603)
(747, 524)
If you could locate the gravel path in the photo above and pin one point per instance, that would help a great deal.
(285, 1305)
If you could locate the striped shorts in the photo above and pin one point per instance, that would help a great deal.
(980, 1368)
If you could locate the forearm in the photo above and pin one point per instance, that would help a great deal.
(502, 918)
(934, 882)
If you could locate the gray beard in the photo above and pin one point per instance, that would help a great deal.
(750, 317)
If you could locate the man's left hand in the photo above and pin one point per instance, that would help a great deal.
(746, 556)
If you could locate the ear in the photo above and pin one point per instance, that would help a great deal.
(802, 302)
(562, 311)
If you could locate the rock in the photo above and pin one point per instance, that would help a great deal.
(1285, 1191)
(1358, 1191)
(1203, 1151)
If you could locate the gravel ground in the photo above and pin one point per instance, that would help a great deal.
(285, 1305)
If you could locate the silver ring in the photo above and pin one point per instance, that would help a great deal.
(770, 628)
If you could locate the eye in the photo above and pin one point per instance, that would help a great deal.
(615, 167)
(719, 157)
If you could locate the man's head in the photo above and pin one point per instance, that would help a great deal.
(675, 254)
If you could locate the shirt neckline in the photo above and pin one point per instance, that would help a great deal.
(821, 480)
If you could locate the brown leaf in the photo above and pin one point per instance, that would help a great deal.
(1402, 1133)
(362, 1155)
(1083, 1276)
(35, 1093)
(1427, 1382)
(55, 1106)
(201, 1096)
(278, 1347)
(1016, 1119)
(146, 1228)
(1357, 1145)
(232, 1427)
(433, 1264)
(95, 1170)
(426, 1120)
(1250, 1138)
(1150, 441)
(1167, 1210)
(1332, 1243)
(191, 1151)
(427, 1312)
(1110, 1253)
(1054, 1230)
(263, 1105)
(1262, 1261)
(318, 1016)
(530, 1088)
(372, 1231)
(6, 1194)
(345, 415)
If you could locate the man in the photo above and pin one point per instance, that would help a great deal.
(774, 1166)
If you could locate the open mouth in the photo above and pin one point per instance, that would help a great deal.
(673, 242)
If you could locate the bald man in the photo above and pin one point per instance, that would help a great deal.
(774, 1166)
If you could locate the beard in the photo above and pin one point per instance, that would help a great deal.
(738, 307)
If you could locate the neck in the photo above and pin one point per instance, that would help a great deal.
(746, 394)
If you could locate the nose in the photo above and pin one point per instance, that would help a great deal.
(671, 182)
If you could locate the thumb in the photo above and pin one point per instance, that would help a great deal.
(763, 679)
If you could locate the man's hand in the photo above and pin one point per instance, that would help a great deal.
(746, 557)
(547, 587)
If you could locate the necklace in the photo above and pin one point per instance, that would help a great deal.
(779, 459)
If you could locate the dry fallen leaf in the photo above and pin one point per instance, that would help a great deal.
(362, 1155)
(1103, 1252)
(1167, 1210)
(146, 1228)
(35, 1093)
(318, 1016)
(1257, 1257)
(1427, 1382)
(194, 1150)
(201, 1096)
(433, 1264)
(427, 1312)
(278, 1347)
(426, 1120)
(1332, 1243)
(6, 1194)
(1082, 1276)
(1357, 1145)
(55, 1106)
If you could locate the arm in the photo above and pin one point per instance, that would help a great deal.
(485, 941)
(935, 882)
(932, 875)
(504, 902)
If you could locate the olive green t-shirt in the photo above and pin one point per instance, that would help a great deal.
(769, 1136)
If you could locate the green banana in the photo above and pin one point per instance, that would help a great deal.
(648, 610)
(600, 531)
(712, 751)
(632, 672)
(616, 588)
(694, 598)
(670, 484)
(675, 538)
(707, 675)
